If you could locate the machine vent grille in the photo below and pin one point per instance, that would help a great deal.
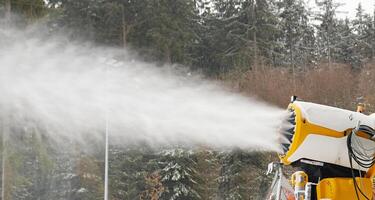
(287, 130)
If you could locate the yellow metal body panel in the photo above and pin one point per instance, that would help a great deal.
(302, 129)
(371, 172)
(343, 188)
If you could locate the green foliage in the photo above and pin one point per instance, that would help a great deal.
(30, 10)
(161, 30)
(208, 169)
(214, 36)
(167, 29)
(129, 169)
(242, 176)
(28, 163)
(178, 175)
(38, 171)
(297, 37)
(90, 182)
(219, 36)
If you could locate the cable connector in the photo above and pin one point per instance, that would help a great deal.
(356, 129)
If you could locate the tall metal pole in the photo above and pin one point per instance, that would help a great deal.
(5, 130)
(106, 160)
(3, 166)
(106, 138)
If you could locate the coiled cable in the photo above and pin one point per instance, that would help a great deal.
(364, 157)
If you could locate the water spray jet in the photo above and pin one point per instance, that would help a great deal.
(66, 89)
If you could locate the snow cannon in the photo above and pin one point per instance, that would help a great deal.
(334, 147)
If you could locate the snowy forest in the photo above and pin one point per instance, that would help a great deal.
(267, 49)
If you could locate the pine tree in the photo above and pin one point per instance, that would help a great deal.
(359, 28)
(129, 172)
(178, 175)
(363, 27)
(167, 30)
(90, 183)
(265, 26)
(230, 178)
(346, 52)
(208, 168)
(31, 9)
(369, 36)
(297, 39)
(28, 166)
(76, 16)
(242, 175)
(237, 35)
(327, 34)
(218, 39)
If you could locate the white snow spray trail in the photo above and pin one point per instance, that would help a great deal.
(68, 89)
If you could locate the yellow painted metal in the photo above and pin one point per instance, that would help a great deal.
(302, 129)
(343, 188)
(361, 108)
(371, 172)
(299, 179)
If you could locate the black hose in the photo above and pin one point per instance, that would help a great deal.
(363, 162)
(359, 159)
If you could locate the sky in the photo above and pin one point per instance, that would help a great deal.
(348, 9)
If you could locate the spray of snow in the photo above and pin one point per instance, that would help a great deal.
(70, 90)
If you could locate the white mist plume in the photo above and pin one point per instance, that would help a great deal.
(69, 90)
